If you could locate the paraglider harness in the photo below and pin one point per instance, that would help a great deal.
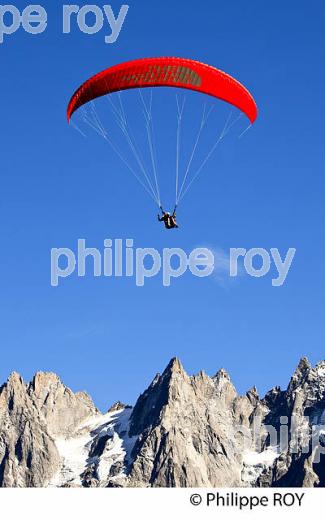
(169, 220)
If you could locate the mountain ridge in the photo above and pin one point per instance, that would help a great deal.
(183, 431)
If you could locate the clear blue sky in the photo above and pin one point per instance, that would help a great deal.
(267, 190)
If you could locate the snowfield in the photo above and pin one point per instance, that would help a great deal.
(99, 443)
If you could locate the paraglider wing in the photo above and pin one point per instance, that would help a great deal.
(166, 72)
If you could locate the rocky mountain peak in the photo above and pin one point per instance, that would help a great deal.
(221, 375)
(252, 395)
(182, 431)
(62, 408)
(14, 385)
(304, 366)
(15, 379)
(44, 382)
(223, 386)
(273, 396)
(301, 373)
(253, 391)
(13, 393)
(306, 386)
(118, 406)
(203, 379)
(174, 367)
(150, 404)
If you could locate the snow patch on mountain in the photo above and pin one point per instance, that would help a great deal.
(254, 463)
(98, 443)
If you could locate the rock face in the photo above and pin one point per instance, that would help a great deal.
(184, 431)
(29, 417)
(28, 455)
(302, 406)
(183, 424)
(62, 409)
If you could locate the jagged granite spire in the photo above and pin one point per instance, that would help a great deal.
(28, 455)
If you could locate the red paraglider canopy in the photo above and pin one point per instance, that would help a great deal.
(166, 72)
